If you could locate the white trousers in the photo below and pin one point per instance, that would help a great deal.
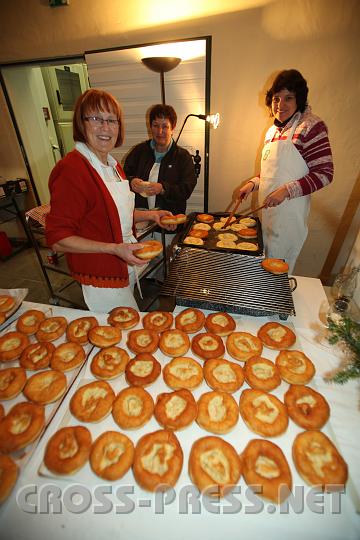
(103, 300)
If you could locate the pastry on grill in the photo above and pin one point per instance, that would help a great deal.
(266, 468)
(198, 233)
(21, 426)
(45, 387)
(104, 336)
(51, 329)
(205, 218)
(12, 345)
(111, 455)
(295, 367)
(142, 370)
(237, 227)
(248, 233)
(109, 363)
(190, 320)
(124, 317)
(262, 374)
(12, 381)
(92, 402)
(214, 466)
(28, 323)
(226, 244)
(194, 240)
(202, 226)
(220, 374)
(306, 407)
(158, 461)
(175, 410)
(68, 450)
(242, 346)
(77, 331)
(8, 476)
(142, 341)
(318, 461)
(220, 226)
(263, 413)
(248, 221)
(276, 336)
(247, 246)
(217, 412)
(7, 302)
(227, 237)
(183, 372)
(207, 345)
(220, 323)
(174, 343)
(157, 321)
(37, 356)
(275, 266)
(67, 356)
(132, 408)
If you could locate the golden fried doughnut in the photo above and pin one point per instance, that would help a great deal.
(248, 232)
(225, 218)
(21, 426)
(262, 374)
(202, 226)
(275, 266)
(104, 336)
(223, 375)
(237, 227)
(205, 218)
(295, 367)
(132, 408)
(8, 476)
(7, 302)
(242, 346)
(124, 317)
(318, 461)
(12, 345)
(142, 370)
(175, 410)
(92, 402)
(226, 244)
(207, 345)
(174, 343)
(248, 222)
(198, 233)
(12, 381)
(158, 461)
(77, 331)
(51, 329)
(217, 412)
(220, 225)
(28, 323)
(190, 320)
(37, 356)
(276, 336)
(45, 387)
(68, 450)
(67, 356)
(183, 372)
(158, 321)
(227, 237)
(150, 250)
(176, 219)
(111, 455)
(263, 413)
(220, 323)
(265, 465)
(193, 240)
(109, 363)
(247, 246)
(140, 341)
(214, 466)
(306, 407)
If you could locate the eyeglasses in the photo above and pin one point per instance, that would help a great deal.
(97, 121)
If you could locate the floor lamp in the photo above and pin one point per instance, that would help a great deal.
(161, 64)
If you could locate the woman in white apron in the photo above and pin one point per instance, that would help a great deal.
(296, 160)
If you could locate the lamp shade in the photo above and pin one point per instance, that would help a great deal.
(161, 64)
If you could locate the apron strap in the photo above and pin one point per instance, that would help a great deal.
(294, 126)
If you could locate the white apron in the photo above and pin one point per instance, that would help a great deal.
(284, 227)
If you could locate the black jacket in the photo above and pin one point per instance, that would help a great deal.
(177, 175)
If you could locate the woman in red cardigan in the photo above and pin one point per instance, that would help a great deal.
(92, 212)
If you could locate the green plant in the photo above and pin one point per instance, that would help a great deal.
(346, 332)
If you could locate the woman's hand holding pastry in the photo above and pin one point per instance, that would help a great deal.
(126, 252)
(158, 214)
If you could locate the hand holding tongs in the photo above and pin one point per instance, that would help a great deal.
(237, 203)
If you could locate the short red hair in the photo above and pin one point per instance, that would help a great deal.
(91, 101)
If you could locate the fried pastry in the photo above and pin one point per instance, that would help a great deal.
(67, 356)
(45, 387)
(28, 323)
(247, 246)
(12, 381)
(158, 321)
(217, 412)
(220, 323)
(7, 302)
(190, 320)
(37, 356)
(220, 374)
(175, 410)
(275, 266)
(262, 374)
(205, 218)
(174, 343)
(202, 226)
(149, 250)
(77, 331)
(226, 244)
(207, 345)
(227, 237)
(193, 240)
(51, 329)
(248, 233)
(198, 233)
(104, 336)
(142, 370)
(220, 226)
(276, 336)
(263, 413)
(295, 367)
(21, 426)
(306, 407)
(183, 372)
(158, 461)
(248, 222)
(109, 363)
(237, 227)
(124, 317)
(92, 402)
(132, 408)
(318, 461)
(142, 341)
(266, 468)
(12, 345)
(111, 455)
(214, 466)
(68, 450)
(8, 476)
(242, 346)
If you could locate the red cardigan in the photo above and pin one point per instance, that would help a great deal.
(81, 205)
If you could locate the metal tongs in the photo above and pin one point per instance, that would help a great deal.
(237, 204)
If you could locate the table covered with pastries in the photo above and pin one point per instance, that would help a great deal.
(82, 504)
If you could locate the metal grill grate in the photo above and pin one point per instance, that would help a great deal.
(227, 282)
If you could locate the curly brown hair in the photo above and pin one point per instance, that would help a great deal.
(292, 80)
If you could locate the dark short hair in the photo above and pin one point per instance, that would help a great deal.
(292, 80)
(163, 111)
(91, 101)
